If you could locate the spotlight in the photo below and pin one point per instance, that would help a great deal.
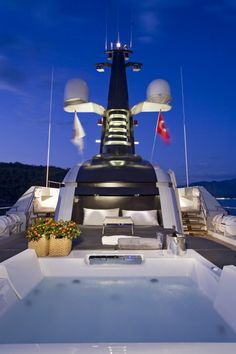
(136, 67)
(100, 67)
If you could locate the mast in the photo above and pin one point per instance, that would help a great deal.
(49, 129)
(184, 129)
(117, 134)
(118, 88)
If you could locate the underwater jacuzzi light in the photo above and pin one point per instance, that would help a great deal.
(114, 259)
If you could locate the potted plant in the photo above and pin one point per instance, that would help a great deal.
(62, 234)
(38, 235)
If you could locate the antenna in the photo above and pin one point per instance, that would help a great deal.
(131, 31)
(184, 126)
(49, 126)
(118, 37)
(118, 30)
(106, 29)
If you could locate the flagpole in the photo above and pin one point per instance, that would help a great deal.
(49, 127)
(154, 140)
(184, 127)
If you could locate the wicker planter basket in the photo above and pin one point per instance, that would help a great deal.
(41, 246)
(59, 246)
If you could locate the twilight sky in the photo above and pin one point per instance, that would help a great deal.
(69, 35)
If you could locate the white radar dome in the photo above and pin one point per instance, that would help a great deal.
(76, 92)
(158, 91)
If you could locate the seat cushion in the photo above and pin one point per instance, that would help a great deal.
(96, 216)
(142, 217)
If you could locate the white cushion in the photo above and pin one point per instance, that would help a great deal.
(142, 217)
(96, 216)
(113, 240)
(139, 243)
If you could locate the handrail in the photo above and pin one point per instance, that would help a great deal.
(216, 207)
(228, 207)
(203, 207)
(226, 198)
(27, 211)
(55, 182)
(9, 207)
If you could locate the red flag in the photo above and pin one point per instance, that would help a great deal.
(161, 128)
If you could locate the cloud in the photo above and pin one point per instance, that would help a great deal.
(225, 9)
(149, 16)
(10, 78)
(15, 43)
(148, 24)
(147, 4)
(149, 21)
(58, 11)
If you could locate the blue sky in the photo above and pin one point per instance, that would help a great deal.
(69, 35)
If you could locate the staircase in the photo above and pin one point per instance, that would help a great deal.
(194, 223)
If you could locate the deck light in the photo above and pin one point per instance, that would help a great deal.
(136, 67)
(100, 67)
(118, 45)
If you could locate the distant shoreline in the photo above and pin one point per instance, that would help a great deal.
(16, 178)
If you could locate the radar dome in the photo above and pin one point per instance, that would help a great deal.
(158, 91)
(76, 92)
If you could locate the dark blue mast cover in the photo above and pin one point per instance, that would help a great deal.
(118, 89)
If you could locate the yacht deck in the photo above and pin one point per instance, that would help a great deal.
(215, 251)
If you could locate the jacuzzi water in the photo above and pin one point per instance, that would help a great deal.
(79, 310)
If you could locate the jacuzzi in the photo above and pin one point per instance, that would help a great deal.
(116, 302)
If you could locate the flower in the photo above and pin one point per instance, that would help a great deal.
(47, 227)
(65, 229)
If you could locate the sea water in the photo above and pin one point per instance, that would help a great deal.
(230, 204)
(79, 310)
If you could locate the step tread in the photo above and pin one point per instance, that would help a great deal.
(195, 223)
(194, 233)
(194, 219)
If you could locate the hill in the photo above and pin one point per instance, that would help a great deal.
(224, 189)
(16, 178)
